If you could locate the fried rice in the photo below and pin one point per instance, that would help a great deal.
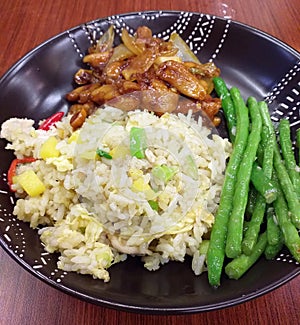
(96, 210)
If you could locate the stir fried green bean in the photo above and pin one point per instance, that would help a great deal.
(265, 155)
(227, 105)
(273, 231)
(263, 184)
(233, 234)
(235, 224)
(274, 236)
(250, 237)
(288, 154)
(289, 231)
(252, 197)
(288, 188)
(272, 250)
(241, 264)
(216, 250)
(283, 176)
(268, 139)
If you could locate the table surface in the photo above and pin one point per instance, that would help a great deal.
(24, 25)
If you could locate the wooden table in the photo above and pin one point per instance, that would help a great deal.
(24, 25)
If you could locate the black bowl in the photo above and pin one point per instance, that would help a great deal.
(35, 87)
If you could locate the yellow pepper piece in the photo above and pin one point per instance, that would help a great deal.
(120, 151)
(31, 183)
(48, 148)
(139, 185)
(89, 155)
(74, 137)
(135, 173)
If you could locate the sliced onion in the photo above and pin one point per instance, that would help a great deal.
(130, 43)
(184, 52)
(106, 41)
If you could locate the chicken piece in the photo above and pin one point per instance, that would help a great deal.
(128, 87)
(144, 38)
(76, 94)
(98, 60)
(89, 107)
(144, 33)
(211, 106)
(159, 85)
(177, 75)
(85, 76)
(113, 70)
(140, 64)
(205, 70)
(208, 108)
(78, 119)
(86, 95)
(104, 93)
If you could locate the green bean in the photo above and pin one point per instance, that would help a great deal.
(272, 250)
(260, 151)
(273, 230)
(216, 250)
(227, 105)
(252, 197)
(265, 151)
(289, 231)
(283, 176)
(235, 225)
(288, 154)
(287, 187)
(268, 141)
(245, 226)
(241, 264)
(266, 158)
(263, 184)
(250, 237)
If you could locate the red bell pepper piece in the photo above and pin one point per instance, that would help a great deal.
(51, 120)
(12, 169)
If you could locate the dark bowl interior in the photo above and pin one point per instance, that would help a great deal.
(35, 87)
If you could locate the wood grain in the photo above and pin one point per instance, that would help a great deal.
(25, 25)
